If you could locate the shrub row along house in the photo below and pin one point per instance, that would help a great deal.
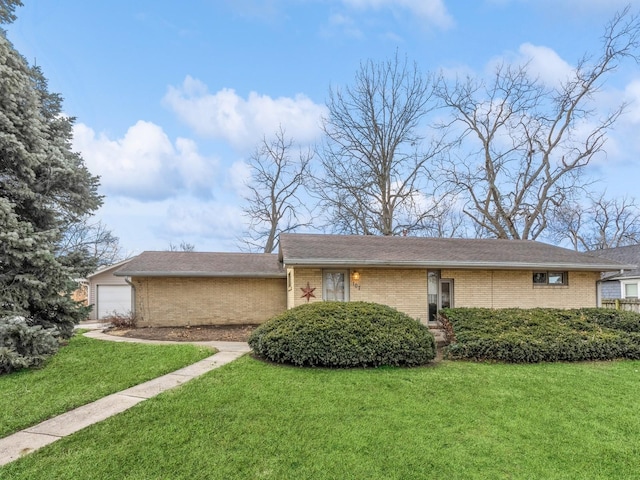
(416, 275)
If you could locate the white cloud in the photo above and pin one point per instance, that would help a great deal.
(239, 177)
(198, 219)
(210, 225)
(632, 95)
(197, 172)
(144, 163)
(433, 11)
(543, 64)
(243, 122)
(546, 64)
(346, 25)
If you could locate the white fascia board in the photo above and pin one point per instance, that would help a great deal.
(457, 265)
(202, 274)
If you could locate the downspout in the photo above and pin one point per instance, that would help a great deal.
(133, 299)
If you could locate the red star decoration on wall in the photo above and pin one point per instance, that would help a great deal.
(307, 292)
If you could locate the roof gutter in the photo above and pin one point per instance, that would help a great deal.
(316, 262)
(200, 274)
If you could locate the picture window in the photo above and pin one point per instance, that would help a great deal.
(335, 285)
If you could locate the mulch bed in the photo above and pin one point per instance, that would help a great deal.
(205, 333)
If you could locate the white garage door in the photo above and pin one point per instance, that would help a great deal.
(113, 298)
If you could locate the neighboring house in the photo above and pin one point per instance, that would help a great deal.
(413, 274)
(621, 284)
(81, 293)
(109, 294)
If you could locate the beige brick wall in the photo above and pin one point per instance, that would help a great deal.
(300, 278)
(207, 301)
(404, 289)
(220, 301)
(506, 288)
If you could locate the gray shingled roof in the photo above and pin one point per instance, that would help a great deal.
(202, 264)
(628, 254)
(353, 250)
(106, 268)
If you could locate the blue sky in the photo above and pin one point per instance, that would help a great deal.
(172, 97)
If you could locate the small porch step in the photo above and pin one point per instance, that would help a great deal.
(439, 335)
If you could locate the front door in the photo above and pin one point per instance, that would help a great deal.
(446, 293)
(439, 293)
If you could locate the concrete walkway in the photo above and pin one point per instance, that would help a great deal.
(32, 438)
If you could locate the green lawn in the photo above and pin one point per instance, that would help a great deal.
(81, 372)
(457, 420)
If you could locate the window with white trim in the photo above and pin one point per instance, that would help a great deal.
(630, 289)
(335, 285)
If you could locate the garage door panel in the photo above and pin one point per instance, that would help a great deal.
(113, 298)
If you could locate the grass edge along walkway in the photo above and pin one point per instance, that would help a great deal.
(31, 439)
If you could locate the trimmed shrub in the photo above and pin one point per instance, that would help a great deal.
(23, 345)
(616, 319)
(542, 334)
(344, 334)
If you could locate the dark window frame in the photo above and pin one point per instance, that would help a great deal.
(542, 278)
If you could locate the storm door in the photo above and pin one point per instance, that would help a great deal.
(439, 293)
(446, 293)
(433, 287)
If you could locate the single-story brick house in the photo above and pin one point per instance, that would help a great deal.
(413, 274)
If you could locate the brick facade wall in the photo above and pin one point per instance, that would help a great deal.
(299, 278)
(507, 288)
(207, 301)
(406, 289)
(224, 301)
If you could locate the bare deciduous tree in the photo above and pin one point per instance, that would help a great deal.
(274, 204)
(183, 247)
(602, 223)
(526, 144)
(93, 238)
(374, 174)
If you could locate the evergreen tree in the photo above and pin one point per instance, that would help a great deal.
(44, 187)
(7, 7)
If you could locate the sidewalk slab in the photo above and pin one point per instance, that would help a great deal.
(32, 438)
(156, 386)
(209, 363)
(22, 443)
(82, 417)
(92, 325)
(218, 345)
